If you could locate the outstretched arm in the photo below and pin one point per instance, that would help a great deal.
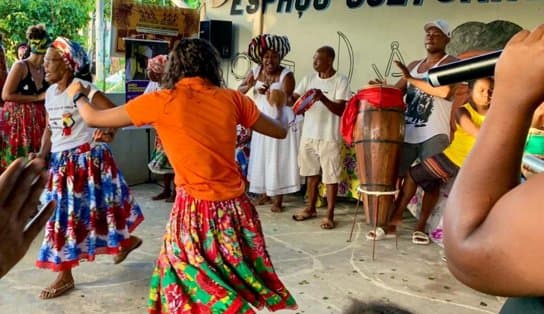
(116, 117)
(492, 225)
(402, 83)
(445, 91)
(271, 127)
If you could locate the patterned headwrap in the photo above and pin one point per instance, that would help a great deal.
(260, 44)
(157, 63)
(39, 46)
(72, 53)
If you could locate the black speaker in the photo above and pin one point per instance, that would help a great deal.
(219, 33)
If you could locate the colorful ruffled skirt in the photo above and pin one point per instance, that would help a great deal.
(21, 130)
(95, 211)
(159, 163)
(214, 260)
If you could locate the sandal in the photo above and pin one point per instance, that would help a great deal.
(420, 238)
(123, 253)
(52, 292)
(327, 224)
(379, 235)
(304, 214)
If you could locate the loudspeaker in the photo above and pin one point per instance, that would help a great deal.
(219, 34)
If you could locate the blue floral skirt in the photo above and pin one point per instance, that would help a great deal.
(95, 211)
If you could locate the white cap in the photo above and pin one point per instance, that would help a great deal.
(441, 25)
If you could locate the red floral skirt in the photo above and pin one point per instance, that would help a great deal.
(214, 260)
(21, 130)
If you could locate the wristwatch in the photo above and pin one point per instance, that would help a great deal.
(77, 97)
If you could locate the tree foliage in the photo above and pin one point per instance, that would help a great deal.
(62, 18)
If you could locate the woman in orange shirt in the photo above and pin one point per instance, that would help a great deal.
(214, 258)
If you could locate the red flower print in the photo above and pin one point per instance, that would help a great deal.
(210, 286)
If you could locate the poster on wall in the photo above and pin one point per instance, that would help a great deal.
(151, 22)
(137, 53)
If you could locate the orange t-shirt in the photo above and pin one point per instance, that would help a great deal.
(196, 122)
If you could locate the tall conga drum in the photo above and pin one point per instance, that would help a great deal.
(378, 136)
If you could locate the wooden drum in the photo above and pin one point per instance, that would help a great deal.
(378, 137)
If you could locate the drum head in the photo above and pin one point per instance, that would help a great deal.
(305, 102)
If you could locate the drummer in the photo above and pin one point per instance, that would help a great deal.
(319, 153)
(429, 108)
(430, 173)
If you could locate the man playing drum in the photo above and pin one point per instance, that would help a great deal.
(319, 153)
(428, 111)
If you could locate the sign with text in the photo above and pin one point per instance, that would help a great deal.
(134, 20)
(239, 7)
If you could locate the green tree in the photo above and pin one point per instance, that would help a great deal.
(62, 18)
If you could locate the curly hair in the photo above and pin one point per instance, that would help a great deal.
(192, 58)
(36, 32)
(38, 38)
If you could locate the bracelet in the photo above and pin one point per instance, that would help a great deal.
(77, 97)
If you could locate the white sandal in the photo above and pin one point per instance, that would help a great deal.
(379, 235)
(420, 238)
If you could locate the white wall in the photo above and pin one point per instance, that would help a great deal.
(371, 30)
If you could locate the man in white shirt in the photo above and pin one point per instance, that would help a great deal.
(319, 153)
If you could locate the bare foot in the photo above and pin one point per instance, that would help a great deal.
(276, 209)
(262, 200)
(327, 224)
(305, 214)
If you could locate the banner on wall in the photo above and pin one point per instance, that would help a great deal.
(151, 22)
(137, 53)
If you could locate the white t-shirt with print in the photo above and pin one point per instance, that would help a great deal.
(68, 130)
(319, 121)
